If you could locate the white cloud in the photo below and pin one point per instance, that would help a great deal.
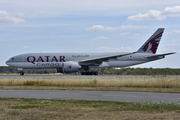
(133, 27)
(114, 49)
(42, 12)
(174, 11)
(151, 15)
(135, 35)
(156, 14)
(169, 50)
(127, 33)
(103, 28)
(172, 44)
(174, 32)
(7, 18)
(77, 5)
(101, 38)
(20, 15)
(3, 13)
(175, 40)
(25, 46)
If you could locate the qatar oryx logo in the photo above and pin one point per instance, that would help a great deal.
(70, 66)
(152, 44)
(149, 46)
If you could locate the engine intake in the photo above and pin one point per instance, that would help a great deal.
(68, 67)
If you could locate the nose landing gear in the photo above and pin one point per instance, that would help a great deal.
(21, 73)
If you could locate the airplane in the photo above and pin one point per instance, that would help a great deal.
(72, 62)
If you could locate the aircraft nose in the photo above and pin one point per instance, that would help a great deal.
(10, 63)
(7, 62)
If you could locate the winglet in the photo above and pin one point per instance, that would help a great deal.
(151, 45)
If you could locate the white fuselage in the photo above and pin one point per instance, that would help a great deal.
(55, 60)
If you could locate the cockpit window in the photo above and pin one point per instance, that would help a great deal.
(12, 58)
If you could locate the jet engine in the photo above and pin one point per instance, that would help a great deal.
(68, 67)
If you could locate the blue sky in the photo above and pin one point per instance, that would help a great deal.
(88, 26)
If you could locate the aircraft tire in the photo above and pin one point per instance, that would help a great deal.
(95, 73)
(89, 73)
(21, 73)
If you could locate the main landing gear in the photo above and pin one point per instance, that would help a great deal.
(89, 73)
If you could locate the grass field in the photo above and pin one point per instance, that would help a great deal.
(47, 109)
(151, 84)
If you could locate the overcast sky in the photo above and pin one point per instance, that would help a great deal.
(28, 26)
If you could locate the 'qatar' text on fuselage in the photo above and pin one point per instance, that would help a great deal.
(33, 59)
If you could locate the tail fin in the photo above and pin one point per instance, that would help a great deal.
(151, 45)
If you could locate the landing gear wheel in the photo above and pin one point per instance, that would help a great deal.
(89, 73)
(95, 73)
(21, 73)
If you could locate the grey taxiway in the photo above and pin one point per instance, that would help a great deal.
(81, 77)
(91, 95)
(86, 95)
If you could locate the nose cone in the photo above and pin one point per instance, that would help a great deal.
(7, 62)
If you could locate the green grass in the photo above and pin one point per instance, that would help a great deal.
(25, 106)
(143, 105)
(14, 112)
(33, 109)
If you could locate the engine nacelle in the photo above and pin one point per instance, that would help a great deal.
(68, 67)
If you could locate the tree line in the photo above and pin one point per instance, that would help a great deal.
(7, 69)
(102, 71)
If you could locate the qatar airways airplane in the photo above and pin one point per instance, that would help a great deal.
(72, 62)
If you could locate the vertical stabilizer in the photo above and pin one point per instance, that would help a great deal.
(151, 45)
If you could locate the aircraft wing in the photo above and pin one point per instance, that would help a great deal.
(158, 55)
(99, 60)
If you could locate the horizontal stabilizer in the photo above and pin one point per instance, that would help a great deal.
(158, 55)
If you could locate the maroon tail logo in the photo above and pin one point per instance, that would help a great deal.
(152, 44)
(70, 66)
